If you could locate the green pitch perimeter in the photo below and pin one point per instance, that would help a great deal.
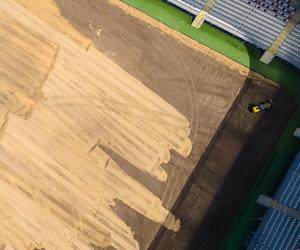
(285, 74)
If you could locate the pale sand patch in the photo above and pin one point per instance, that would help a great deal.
(47, 11)
(56, 185)
(26, 57)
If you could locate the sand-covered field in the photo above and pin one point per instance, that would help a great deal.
(104, 115)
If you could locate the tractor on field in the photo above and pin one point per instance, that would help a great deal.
(262, 106)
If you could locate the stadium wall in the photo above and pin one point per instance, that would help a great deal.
(275, 29)
(280, 229)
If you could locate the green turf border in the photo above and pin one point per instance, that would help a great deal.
(285, 74)
(222, 42)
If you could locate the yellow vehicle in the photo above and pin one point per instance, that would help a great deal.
(265, 105)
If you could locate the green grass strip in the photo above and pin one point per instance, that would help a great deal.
(243, 53)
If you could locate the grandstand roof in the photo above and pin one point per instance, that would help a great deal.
(277, 230)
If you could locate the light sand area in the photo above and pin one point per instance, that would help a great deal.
(61, 99)
(203, 86)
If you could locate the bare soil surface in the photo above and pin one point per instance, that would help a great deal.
(222, 180)
(222, 166)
